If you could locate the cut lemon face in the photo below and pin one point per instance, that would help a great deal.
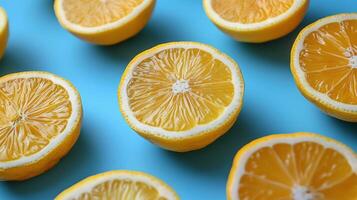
(300, 166)
(181, 95)
(119, 185)
(40, 119)
(104, 22)
(4, 31)
(324, 65)
(256, 21)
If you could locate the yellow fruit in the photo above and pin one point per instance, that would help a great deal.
(4, 31)
(256, 21)
(181, 95)
(119, 185)
(104, 22)
(299, 166)
(40, 120)
(324, 65)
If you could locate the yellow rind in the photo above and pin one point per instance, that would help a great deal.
(264, 34)
(4, 32)
(88, 180)
(188, 143)
(37, 167)
(329, 109)
(115, 35)
(247, 147)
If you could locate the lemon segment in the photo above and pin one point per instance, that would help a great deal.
(104, 22)
(248, 12)
(120, 185)
(295, 166)
(324, 65)
(40, 118)
(256, 21)
(4, 31)
(181, 95)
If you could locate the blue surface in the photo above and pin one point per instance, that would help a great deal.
(272, 104)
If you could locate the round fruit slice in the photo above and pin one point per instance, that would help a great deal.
(324, 65)
(300, 166)
(181, 95)
(119, 185)
(104, 22)
(4, 31)
(256, 21)
(40, 120)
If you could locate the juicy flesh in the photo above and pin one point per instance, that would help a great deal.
(122, 189)
(329, 60)
(250, 11)
(303, 171)
(178, 89)
(92, 13)
(32, 112)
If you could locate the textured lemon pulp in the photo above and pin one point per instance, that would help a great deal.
(301, 171)
(248, 11)
(121, 189)
(329, 60)
(93, 13)
(32, 112)
(178, 88)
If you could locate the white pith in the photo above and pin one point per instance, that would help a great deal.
(230, 109)
(89, 183)
(252, 26)
(353, 61)
(72, 121)
(91, 30)
(240, 164)
(301, 74)
(302, 193)
(180, 86)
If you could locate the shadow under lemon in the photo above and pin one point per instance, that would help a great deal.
(278, 50)
(154, 33)
(216, 158)
(13, 60)
(68, 171)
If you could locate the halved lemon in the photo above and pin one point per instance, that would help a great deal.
(324, 65)
(181, 95)
(4, 31)
(119, 185)
(299, 166)
(104, 22)
(40, 120)
(256, 21)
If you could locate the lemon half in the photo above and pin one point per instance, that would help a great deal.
(181, 95)
(40, 120)
(297, 166)
(104, 22)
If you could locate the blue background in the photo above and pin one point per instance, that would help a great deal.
(272, 103)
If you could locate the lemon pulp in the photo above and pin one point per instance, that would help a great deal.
(329, 60)
(122, 189)
(32, 112)
(178, 89)
(93, 13)
(301, 171)
(247, 11)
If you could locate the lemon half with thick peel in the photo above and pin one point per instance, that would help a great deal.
(324, 65)
(299, 166)
(181, 95)
(4, 31)
(256, 21)
(104, 22)
(40, 120)
(119, 185)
